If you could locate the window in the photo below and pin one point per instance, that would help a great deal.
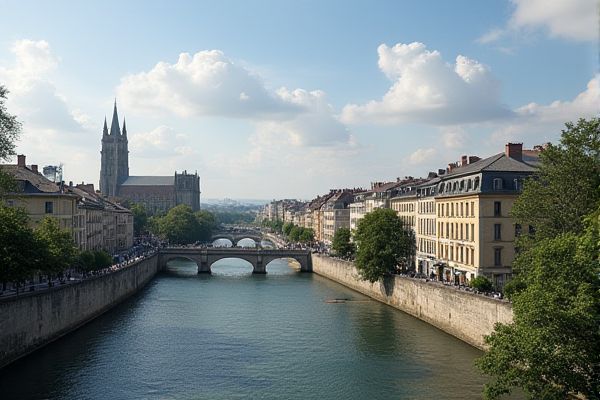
(497, 256)
(49, 207)
(517, 230)
(497, 183)
(497, 209)
(518, 184)
(476, 184)
(497, 231)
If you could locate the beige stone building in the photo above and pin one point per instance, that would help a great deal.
(425, 232)
(475, 234)
(336, 214)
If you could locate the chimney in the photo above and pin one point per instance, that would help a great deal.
(451, 166)
(514, 151)
(70, 183)
(21, 160)
(463, 161)
(441, 172)
(473, 159)
(34, 168)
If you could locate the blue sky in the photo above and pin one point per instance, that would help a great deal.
(287, 99)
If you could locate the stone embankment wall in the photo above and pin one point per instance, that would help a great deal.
(33, 320)
(465, 315)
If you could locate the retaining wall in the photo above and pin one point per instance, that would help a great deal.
(465, 315)
(33, 320)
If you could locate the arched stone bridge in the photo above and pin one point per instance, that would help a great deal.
(259, 258)
(235, 238)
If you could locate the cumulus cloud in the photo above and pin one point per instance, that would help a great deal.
(206, 83)
(210, 84)
(453, 137)
(544, 122)
(34, 98)
(422, 156)
(162, 141)
(569, 19)
(428, 90)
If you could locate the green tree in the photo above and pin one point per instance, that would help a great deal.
(20, 253)
(102, 260)
(59, 248)
(207, 223)
(481, 283)
(342, 244)
(382, 243)
(140, 218)
(287, 228)
(307, 235)
(552, 348)
(10, 128)
(567, 185)
(295, 233)
(179, 225)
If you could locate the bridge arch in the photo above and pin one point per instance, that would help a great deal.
(164, 259)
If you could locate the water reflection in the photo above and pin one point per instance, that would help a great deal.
(222, 243)
(246, 242)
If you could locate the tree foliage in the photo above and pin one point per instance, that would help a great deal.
(10, 128)
(59, 251)
(181, 225)
(140, 218)
(382, 242)
(566, 187)
(481, 283)
(552, 348)
(21, 252)
(342, 244)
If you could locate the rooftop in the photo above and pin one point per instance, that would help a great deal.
(149, 181)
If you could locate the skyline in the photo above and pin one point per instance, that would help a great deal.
(345, 94)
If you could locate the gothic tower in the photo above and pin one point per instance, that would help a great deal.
(114, 161)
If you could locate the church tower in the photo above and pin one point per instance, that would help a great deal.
(114, 160)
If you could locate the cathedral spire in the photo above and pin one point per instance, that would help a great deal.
(124, 128)
(114, 126)
(105, 130)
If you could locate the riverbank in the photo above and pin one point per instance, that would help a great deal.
(32, 320)
(464, 315)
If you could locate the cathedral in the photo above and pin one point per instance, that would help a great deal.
(156, 193)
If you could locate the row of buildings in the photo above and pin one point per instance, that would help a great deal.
(95, 222)
(460, 215)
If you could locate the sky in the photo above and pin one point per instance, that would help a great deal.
(287, 99)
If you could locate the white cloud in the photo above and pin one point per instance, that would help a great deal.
(33, 97)
(569, 19)
(207, 83)
(162, 141)
(453, 137)
(210, 84)
(422, 156)
(428, 90)
(540, 123)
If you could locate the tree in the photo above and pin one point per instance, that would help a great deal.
(342, 244)
(567, 185)
(307, 235)
(102, 260)
(287, 228)
(552, 349)
(295, 233)
(481, 283)
(207, 222)
(20, 253)
(382, 243)
(10, 128)
(59, 248)
(140, 218)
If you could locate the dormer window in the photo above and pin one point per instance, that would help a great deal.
(476, 184)
(497, 183)
(518, 184)
(469, 185)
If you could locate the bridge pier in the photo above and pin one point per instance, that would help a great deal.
(259, 266)
(204, 266)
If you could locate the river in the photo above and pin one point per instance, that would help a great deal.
(234, 335)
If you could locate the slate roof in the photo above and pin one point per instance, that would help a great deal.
(36, 182)
(499, 162)
(149, 181)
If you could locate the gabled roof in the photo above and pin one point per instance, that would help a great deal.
(149, 181)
